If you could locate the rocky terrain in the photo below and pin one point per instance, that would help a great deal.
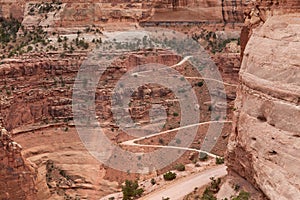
(264, 144)
(44, 43)
(268, 110)
(18, 176)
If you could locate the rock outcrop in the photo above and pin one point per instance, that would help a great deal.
(62, 14)
(18, 176)
(264, 146)
(38, 90)
(256, 12)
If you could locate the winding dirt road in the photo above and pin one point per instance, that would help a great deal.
(179, 189)
(133, 142)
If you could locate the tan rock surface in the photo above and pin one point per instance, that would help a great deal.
(264, 147)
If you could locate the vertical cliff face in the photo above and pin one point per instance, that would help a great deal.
(74, 13)
(265, 144)
(16, 174)
(232, 11)
(256, 12)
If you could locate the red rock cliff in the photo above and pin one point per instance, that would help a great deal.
(18, 174)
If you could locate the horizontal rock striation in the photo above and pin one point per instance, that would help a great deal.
(18, 176)
(36, 90)
(62, 14)
(257, 12)
(265, 144)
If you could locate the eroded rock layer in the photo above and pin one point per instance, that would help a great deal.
(264, 147)
(18, 177)
(71, 13)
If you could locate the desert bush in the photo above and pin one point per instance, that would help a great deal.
(242, 196)
(208, 195)
(203, 156)
(219, 160)
(180, 167)
(131, 190)
(59, 39)
(161, 141)
(8, 29)
(199, 84)
(153, 181)
(211, 190)
(169, 176)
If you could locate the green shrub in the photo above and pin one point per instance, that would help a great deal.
(8, 29)
(180, 167)
(29, 48)
(131, 190)
(169, 176)
(242, 196)
(211, 190)
(208, 195)
(203, 156)
(59, 39)
(199, 84)
(153, 181)
(236, 187)
(161, 141)
(215, 184)
(219, 160)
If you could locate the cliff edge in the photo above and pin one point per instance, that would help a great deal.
(19, 174)
(265, 144)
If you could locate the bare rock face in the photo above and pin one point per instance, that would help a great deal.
(12, 8)
(256, 12)
(265, 144)
(62, 14)
(18, 177)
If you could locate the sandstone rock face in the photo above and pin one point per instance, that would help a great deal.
(257, 12)
(70, 13)
(38, 90)
(18, 177)
(264, 147)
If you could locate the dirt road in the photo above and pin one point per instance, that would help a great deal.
(178, 189)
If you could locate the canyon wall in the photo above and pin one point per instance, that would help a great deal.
(264, 145)
(36, 90)
(70, 13)
(257, 12)
(18, 176)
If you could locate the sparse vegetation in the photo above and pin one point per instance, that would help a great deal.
(215, 44)
(161, 141)
(203, 156)
(169, 176)
(242, 196)
(8, 30)
(219, 160)
(175, 114)
(180, 167)
(153, 181)
(200, 84)
(211, 190)
(131, 190)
